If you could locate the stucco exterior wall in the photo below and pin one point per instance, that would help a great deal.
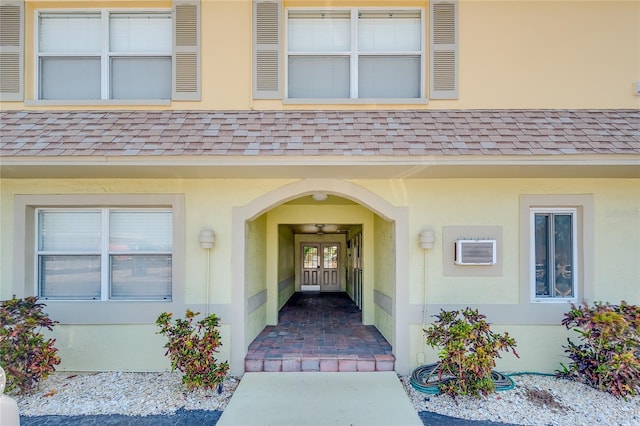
(512, 54)
(437, 203)
(256, 276)
(384, 275)
(286, 267)
(431, 204)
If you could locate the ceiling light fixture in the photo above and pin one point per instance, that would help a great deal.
(319, 196)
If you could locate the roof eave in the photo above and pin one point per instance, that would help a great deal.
(347, 167)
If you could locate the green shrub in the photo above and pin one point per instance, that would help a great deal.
(26, 356)
(468, 351)
(609, 357)
(191, 349)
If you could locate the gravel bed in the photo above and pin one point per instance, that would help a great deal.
(134, 394)
(536, 400)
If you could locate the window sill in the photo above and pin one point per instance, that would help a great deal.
(554, 300)
(99, 102)
(351, 101)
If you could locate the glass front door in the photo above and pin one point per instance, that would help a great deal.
(320, 266)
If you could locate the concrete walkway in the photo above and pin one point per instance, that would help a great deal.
(322, 399)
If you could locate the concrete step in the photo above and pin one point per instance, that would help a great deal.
(324, 363)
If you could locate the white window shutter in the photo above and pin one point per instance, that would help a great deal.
(186, 50)
(267, 62)
(443, 76)
(11, 50)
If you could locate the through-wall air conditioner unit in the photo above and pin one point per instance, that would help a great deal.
(475, 252)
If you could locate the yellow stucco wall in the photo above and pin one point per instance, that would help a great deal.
(256, 256)
(431, 204)
(437, 203)
(286, 266)
(384, 273)
(207, 203)
(540, 348)
(512, 54)
(119, 348)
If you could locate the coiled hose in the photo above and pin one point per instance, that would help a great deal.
(425, 379)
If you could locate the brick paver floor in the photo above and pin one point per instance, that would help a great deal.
(320, 332)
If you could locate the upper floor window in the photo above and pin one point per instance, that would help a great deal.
(554, 254)
(104, 55)
(104, 254)
(353, 53)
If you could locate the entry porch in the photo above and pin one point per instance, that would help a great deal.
(320, 331)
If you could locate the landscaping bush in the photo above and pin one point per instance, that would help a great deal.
(191, 349)
(609, 357)
(468, 351)
(26, 356)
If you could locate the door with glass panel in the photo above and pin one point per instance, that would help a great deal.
(321, 266)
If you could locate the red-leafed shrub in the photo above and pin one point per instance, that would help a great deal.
(468, 350)
(191, 349)
(609, 357)
(26, 356)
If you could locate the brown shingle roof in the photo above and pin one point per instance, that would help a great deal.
(316, 133)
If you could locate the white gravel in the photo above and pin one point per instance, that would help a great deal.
(136, 394)
(536, 400)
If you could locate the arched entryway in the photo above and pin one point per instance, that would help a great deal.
(257, 286)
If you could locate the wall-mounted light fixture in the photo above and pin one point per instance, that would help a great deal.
(207, 238)
(426, 239)
(207, 241)
(319, 196)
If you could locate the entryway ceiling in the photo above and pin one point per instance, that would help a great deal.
(320, 228)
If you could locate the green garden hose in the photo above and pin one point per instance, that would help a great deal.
(425, 379)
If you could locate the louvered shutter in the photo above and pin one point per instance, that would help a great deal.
(267, 63)
(186, 50)
(11, 50)
(443, 76)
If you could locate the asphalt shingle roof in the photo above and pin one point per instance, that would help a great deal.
(318, 133)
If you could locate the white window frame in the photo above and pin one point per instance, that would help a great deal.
(105, 55)
(354, 54)
(574, 253)
(105, 252)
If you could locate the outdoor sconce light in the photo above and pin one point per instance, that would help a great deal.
(319, 196)
(427, 239)
(207, 238)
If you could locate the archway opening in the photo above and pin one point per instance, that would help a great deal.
(352, 229)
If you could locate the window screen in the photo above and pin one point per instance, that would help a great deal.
(140, 78)
(105, 254)
(319, 77)
(104, 55)
(354, 54)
